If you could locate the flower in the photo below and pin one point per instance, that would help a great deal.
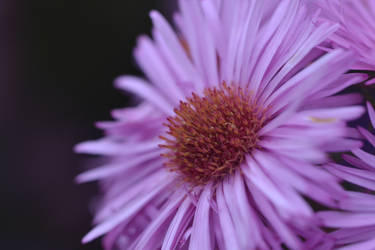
(355, 220)
(357, 28)
(230, 134)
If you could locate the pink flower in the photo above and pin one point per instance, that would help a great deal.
(230, 134)
(356, 218)
(357, 27)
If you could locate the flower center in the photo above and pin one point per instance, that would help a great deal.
(210, 136)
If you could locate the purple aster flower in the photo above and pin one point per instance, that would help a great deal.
(356, 218)
(357, 27)
(236, 118)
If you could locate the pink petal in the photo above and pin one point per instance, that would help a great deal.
(201, 232)
(174, 52)
(150, 60)
(115, 168)
(364, 156)
(245, 219)
(226, 223)
(152, 236)
(125, 214)
(351, 178)
(371, 113)
(144, 90)
(370, 137)
(346, 220)
(178, 225)
(256, 176)
(369, 244)
(280, 226)
(106, 146)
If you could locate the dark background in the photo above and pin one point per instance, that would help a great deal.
(58, 59)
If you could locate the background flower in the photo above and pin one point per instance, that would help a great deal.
(355, 220)
(357, 29)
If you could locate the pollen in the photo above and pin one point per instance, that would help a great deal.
(210, 135)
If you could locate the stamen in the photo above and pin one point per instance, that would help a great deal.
(210, 136)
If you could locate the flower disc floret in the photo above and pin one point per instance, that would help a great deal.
(210, 136)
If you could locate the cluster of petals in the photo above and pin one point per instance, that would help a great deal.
(354, 218)
(357, 28)
(272, 49)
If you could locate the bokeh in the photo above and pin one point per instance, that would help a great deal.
(58, 60)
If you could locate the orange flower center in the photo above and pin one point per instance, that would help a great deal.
(210, 136)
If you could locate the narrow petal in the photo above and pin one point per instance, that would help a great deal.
(370, 137)
(152, 236)
(278, 172)
(358, 202)
(371, 113)
(201, 233)
(144, 90)
(106, 146)
(125, 214)
(364, 156)
(178, 225)
(366, 245)
(350, 177)
(254, 174)
(149, 58)
(175, 52)
(289, 237)
(245, 219)
(343, 113)
(226, 223)
(346, 220)
(115, 168)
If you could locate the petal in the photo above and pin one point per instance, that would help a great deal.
(106, 146)
(178, 225)
(126, 213)
(254, 174)
(174, 52)
(137, 188)
(144, 90)
(364, 156)
(278, 172)
(150, 60)
(152, 236)
(226, 223)
(366, 245)
(335, 169)
(342, 113)
(371, 113)
(285, 233)
(335, 101)
(370, 137)
(358, 202)
(356, 162)
(245, 220)
(346, 220)
(200, 41)
(201, 232)
(115, 168)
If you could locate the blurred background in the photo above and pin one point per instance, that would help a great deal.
(58, 59)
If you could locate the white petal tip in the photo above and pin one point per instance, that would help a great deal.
(79, 179)
(85, 240)
(369, 106)
(79, 148)
(154, 14)
(119, 81)
(90, 236)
